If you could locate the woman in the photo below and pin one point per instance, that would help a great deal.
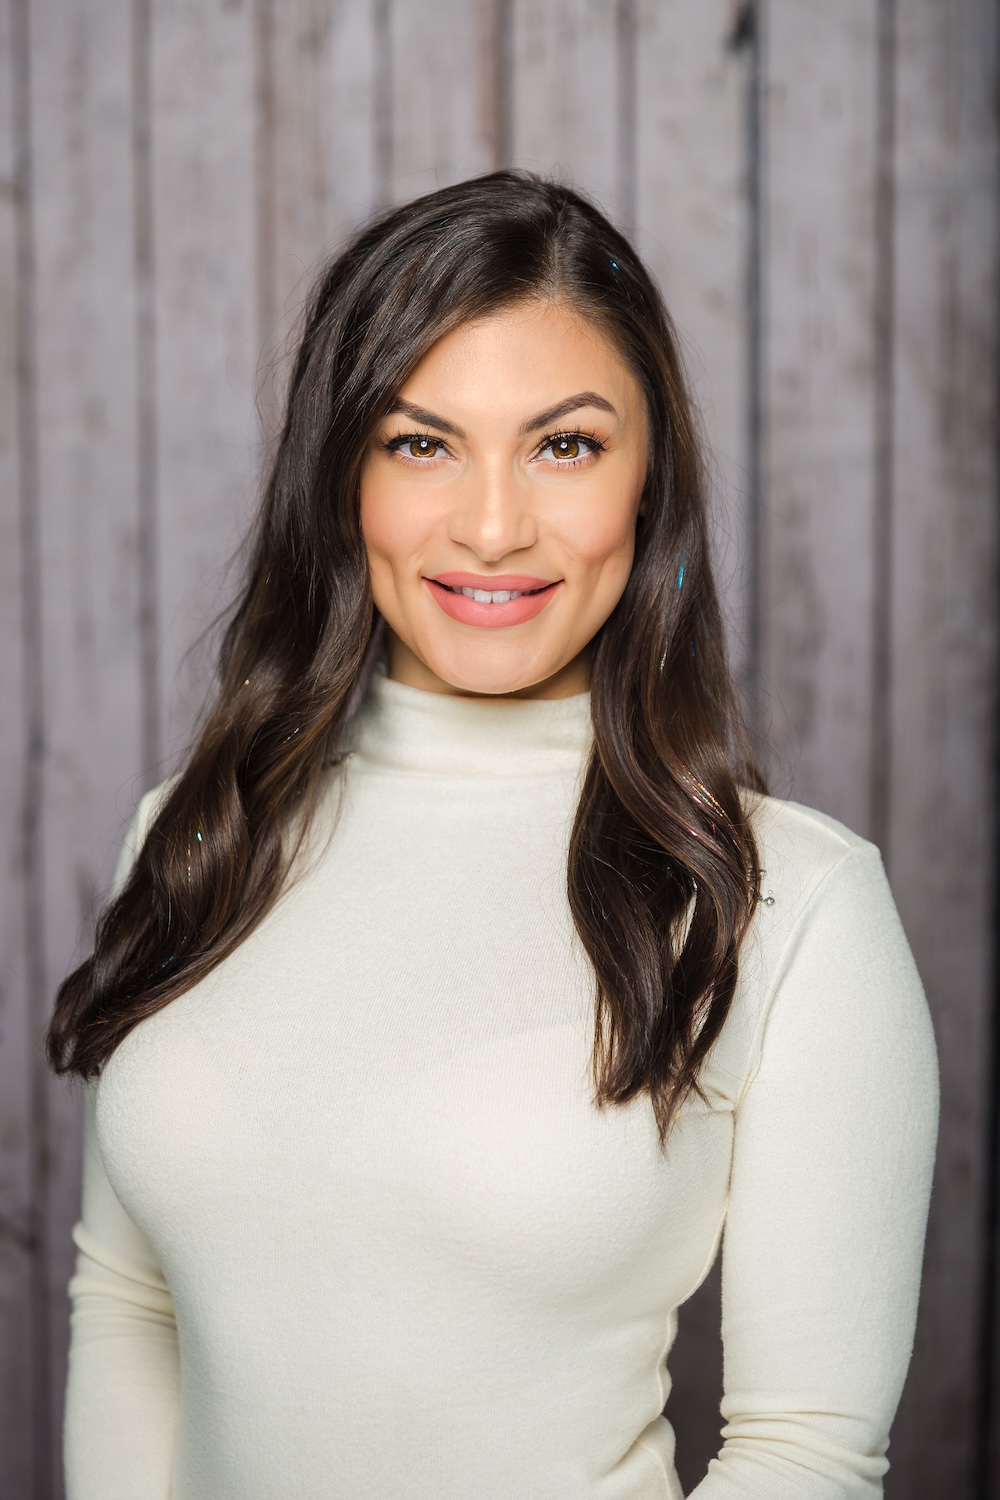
(464, 986)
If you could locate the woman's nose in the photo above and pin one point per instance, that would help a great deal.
(493, 514)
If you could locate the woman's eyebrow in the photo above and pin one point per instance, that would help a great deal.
(563, 409)
(541, 419)
(428, 418)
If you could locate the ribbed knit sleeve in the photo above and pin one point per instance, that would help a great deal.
(830, 1185)
(123, 1389)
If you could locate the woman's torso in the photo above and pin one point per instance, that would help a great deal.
(406, 1253)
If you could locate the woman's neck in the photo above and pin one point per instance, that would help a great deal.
(405, 728)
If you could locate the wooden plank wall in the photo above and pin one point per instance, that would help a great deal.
(816, 188)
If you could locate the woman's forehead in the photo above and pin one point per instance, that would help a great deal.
(522, 360)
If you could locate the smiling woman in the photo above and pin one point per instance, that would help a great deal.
(464, 987)
(466, 473)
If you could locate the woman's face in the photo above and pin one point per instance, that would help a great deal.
(511, 465)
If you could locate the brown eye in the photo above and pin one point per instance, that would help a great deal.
(570, 448)
(422, 447)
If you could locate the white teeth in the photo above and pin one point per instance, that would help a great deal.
(491, 596)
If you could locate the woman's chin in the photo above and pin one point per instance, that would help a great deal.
(490, 682)
(485, 665)
(534, 680)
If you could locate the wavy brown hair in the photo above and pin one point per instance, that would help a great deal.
(662, 873)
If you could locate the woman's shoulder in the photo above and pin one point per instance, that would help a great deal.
(142, 818)
(798, 847)
(150, 802)
(824, 933)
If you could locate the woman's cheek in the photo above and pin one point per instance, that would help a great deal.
(392, 523)
(377, 527)
(602, 535)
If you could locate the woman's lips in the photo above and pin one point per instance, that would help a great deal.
(533, 595)
(520, 581)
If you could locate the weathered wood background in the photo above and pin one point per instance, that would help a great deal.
(815, 185)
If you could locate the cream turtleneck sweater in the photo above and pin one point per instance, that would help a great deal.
(353, 1228)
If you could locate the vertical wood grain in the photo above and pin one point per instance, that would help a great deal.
(565, 111)
(85, 316)
(318, 150)
(18, 1224)
(944, 663)
(692, 228)
(144, 241)
(205, 216)
(443, 125)
(316, 155)
(818, 461)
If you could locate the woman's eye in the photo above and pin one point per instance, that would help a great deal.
(416, 445)
(569, 446)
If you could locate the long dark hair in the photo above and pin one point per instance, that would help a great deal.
(662, 870)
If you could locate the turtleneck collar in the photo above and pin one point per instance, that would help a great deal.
(406, 729)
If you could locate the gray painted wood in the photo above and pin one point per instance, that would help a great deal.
(441, 132)
(17, 1221)
(80, 68)
(204, 173)
(692, 227)
(819, 277)
(317, 159)
(565, 111)
(944, 670)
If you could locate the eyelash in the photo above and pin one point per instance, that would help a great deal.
(396, 444)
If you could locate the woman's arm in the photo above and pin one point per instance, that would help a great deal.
(830, 1185)
(123, 1392)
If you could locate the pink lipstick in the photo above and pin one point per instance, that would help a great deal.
(503, 598)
